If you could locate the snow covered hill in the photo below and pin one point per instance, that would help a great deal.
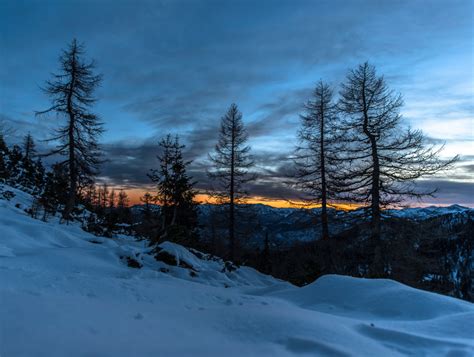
(64, 292)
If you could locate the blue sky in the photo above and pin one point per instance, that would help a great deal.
(175, 66)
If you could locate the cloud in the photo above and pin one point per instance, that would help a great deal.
(468, 168)
(449, 191)
(175, 67)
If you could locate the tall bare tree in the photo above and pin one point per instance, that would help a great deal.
(383, 157)
(72, 95)
(231, 163)
(314, 157)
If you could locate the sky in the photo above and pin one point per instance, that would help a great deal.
(176, 66)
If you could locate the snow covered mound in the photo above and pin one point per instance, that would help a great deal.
(380, 299)
(64, 292)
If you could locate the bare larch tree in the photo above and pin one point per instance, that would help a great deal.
(72, 95)
(383, 158)
(314, 158)
(231, 163)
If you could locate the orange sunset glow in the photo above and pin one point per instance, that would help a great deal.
(135, 194)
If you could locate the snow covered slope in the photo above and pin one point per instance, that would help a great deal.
(64, 292)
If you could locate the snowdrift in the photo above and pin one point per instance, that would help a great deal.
(64, 292)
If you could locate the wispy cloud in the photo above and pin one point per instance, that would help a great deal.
(175, 66)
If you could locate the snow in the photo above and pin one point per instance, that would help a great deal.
(422, 213)
(64, 292)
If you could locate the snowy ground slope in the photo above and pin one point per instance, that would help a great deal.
(64, 292)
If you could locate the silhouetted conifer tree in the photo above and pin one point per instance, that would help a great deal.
(4, 173)
(383, 158)
(147, 199)
(14, 164)
(175, 193)
(315, 158)
(72, 95)
(29, 147)
(55, 193)
(231, 161)
(112, 199)
(31, 172)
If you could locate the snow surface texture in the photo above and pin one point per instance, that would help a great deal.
(64, 292)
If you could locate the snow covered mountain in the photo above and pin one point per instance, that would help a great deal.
(65, 292)
(288, 225)
(422, 213)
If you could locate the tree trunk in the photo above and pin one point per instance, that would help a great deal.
(324, 214)
(232, 203)
(375, 189)
(375, 207)
(71, 201)
(175, 214)
(376, 268)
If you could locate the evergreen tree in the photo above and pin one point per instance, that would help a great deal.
(112, 199)
(147, 199)
(4, 173)
(72, 94)
(14, 164)
(175, 192)
(39, 176)
(315, 157)
(29, 174)
(89, 198)
(29, 147)
(55, 193)
(123, 200)
(104, 196)
(123, 209)
(231, 161)
(149, 225)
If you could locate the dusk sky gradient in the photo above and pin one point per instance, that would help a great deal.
(176, 66)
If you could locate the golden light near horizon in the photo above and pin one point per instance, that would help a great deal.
(136, 193)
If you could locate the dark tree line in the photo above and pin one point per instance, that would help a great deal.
(20, 166)
(353, 148)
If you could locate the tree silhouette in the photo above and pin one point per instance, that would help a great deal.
(72, 94)
(314, 157)
(231, 161)
(175, 192)
(29, 147)
(383, 158)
